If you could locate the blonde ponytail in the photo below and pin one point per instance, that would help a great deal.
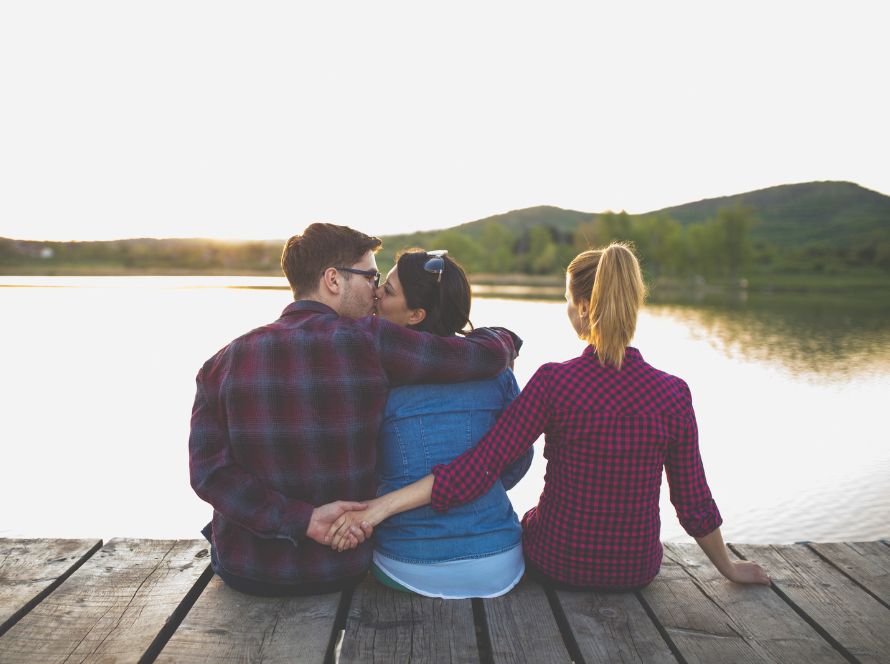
(616, 294)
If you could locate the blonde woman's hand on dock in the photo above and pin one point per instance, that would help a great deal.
(746, 571)
(738, 571)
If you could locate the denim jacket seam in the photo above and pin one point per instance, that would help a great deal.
(474, 556)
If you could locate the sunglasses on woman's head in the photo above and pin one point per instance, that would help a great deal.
(436, 264)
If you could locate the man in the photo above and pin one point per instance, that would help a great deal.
(286, 416)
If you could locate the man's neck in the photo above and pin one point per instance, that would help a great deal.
(321, 299)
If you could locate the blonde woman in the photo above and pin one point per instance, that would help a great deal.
(612, 422)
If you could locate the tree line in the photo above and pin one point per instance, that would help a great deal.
(721, 247)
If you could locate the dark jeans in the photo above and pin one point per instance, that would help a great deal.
(267, 589)
(535, 573)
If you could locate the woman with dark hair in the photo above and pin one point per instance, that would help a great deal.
(612, 423)
(475, 550)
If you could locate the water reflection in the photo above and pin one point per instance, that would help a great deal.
(809, 335)
(98, 382)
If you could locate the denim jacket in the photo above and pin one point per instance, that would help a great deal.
(425, 425)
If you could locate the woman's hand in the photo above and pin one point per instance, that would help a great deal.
(352, 528)
(324, 515)
(739, 571)
(743, 571)
(348, 528)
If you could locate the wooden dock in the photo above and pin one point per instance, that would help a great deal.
(158, 601)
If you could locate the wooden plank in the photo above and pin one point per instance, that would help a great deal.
(756, 613)
(227, 626)
(388, 626)
(112, 608)
(848, 616)
(522, 627)
(698, 629)
(612, 628)
(868, 563)
(30, 569)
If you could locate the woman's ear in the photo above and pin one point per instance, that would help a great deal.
(416, 316)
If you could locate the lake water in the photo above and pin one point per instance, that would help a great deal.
(791, 396)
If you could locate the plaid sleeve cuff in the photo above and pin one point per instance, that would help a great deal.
(440, 499)
(703, 521)
(295, 521)
(515, 339)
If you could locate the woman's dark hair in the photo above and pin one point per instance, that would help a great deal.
(447, 303)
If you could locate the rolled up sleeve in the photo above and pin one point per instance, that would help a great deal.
(689, 491)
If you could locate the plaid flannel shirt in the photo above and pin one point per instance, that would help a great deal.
(608, 434)
(286, 419)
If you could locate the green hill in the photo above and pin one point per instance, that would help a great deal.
(565, 221)
(839, 213)
(517, 223)
(796, 214)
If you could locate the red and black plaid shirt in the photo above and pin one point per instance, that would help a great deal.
(608, 434)
(286, 419)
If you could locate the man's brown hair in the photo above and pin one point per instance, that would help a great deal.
(305, 257)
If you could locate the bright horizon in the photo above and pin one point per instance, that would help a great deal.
(214, 120)
(281, 239)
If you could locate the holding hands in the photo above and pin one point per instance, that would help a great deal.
(352, 528)
(325, 515)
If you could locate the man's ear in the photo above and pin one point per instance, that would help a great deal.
(331, 281)
(416, 316)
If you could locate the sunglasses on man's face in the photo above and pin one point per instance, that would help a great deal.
(373, 276)
(436, 264)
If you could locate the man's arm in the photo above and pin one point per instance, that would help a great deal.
(409, 357)
(238, 495)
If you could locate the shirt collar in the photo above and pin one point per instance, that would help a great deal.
(307, 305)
(631, 354)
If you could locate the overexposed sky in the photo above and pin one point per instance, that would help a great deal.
(251, 120)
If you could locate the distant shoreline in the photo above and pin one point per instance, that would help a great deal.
(549, 285)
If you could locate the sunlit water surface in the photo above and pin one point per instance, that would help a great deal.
(98, 381)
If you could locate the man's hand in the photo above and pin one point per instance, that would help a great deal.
(347, 528)
(323, 518)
